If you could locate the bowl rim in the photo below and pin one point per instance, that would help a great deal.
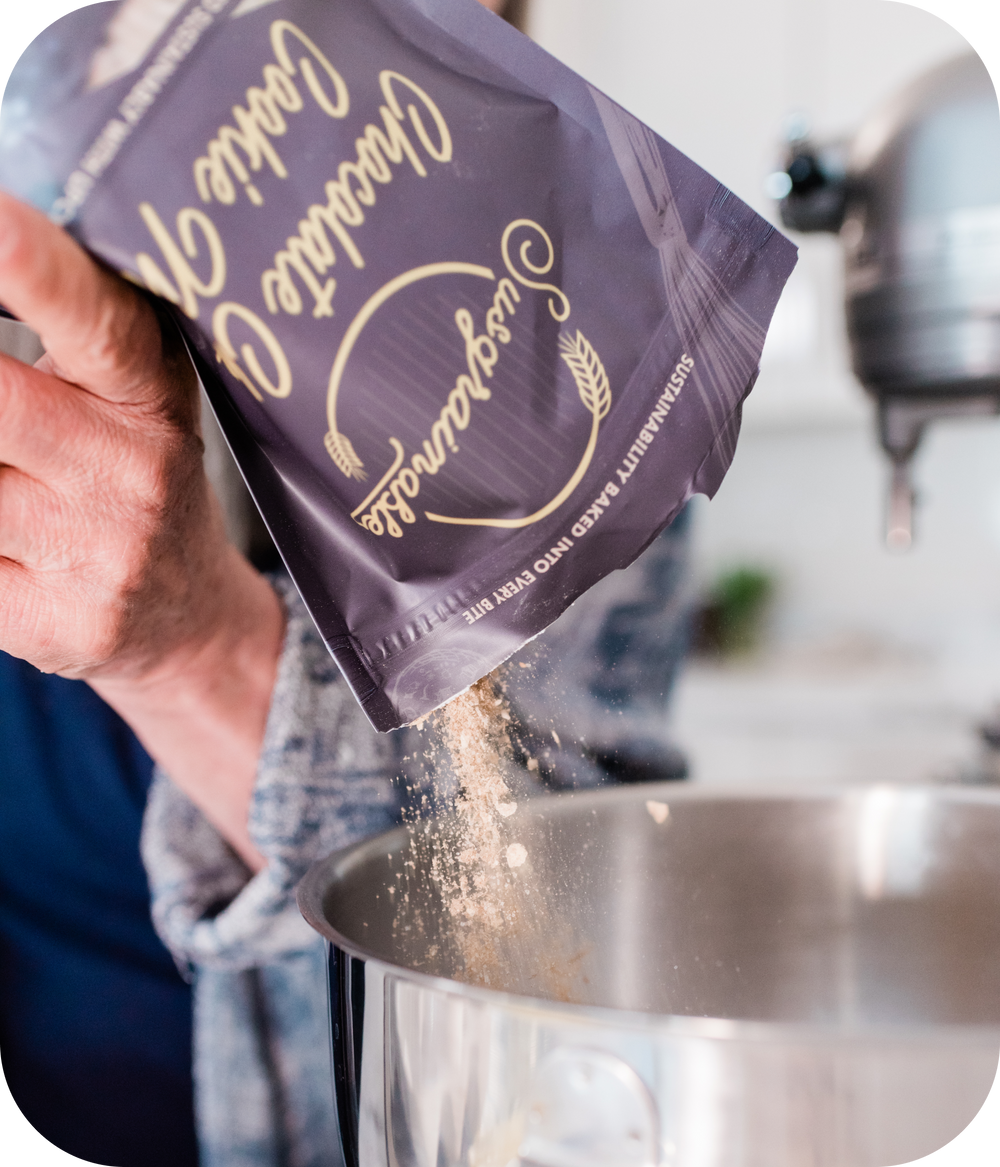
(311, 889)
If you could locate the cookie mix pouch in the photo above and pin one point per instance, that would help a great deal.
(473, 332)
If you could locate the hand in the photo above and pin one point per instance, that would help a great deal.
(114, 566)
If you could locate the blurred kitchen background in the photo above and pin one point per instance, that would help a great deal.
(870, 666)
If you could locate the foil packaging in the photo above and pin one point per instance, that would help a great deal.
(473, 332)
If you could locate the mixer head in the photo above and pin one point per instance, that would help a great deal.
(915, 198)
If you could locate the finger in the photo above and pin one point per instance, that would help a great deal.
(98, 332)
(44, 423)
(37, 609)
(38, 526)
(22, 608)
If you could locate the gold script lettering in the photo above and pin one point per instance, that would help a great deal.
(503, 303)
(189, 285)
(262, 119)
(226, 352)
(386, 506)
(524, 253)
(387, 499)
(310, 254)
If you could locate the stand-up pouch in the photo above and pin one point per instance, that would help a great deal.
(474, 333)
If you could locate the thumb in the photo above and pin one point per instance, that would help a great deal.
(98, 332)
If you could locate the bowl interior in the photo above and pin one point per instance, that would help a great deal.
(867, 908)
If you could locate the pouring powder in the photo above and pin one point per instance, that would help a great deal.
(501, 923)
(475, 878)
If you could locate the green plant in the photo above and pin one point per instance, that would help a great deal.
(731, 620)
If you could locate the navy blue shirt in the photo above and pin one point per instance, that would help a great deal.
(95, 1020)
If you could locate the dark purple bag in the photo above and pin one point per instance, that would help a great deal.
(474, 333)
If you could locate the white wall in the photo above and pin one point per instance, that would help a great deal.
(719, 78)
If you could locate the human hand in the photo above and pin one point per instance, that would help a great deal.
(114, 566)
(107, 528)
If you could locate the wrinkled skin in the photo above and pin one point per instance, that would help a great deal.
(114, 565)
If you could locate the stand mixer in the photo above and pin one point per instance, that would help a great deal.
(915, 197)
(720, 979)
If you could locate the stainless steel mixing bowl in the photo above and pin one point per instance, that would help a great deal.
(755, 981)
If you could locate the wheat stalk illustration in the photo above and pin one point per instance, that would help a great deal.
(339, 447)
(588, 372)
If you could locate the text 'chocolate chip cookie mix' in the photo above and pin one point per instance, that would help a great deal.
(473, 332)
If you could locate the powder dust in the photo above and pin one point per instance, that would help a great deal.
(470, 862)
(500, 921)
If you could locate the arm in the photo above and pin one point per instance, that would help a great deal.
(114, 566)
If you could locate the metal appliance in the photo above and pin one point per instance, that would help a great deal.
(724, 980)
(916, 200)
